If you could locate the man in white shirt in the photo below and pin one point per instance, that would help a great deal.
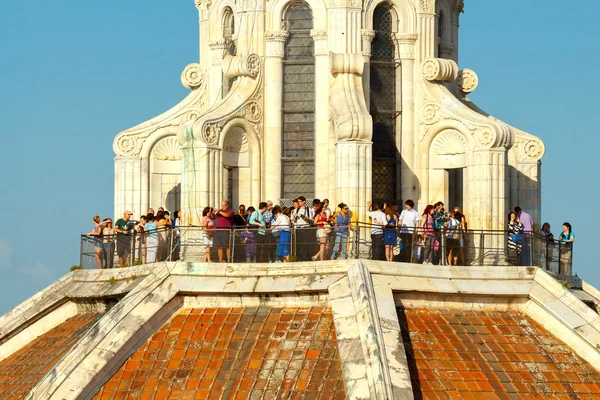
(378, 221)
(409, 221)
(305, 237)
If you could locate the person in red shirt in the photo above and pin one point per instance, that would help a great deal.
(225, 218)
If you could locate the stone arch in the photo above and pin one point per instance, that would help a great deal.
(403, 11)
(241, 127)
(276, 10)
(217, 18)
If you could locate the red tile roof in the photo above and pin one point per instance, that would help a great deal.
(490, 354)
(235, 353)
(20, 372)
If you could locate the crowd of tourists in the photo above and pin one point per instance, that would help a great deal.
(264, 234)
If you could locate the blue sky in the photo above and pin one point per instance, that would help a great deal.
(75, 73)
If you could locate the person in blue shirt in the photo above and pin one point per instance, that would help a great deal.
(566, 239)
(341, 231)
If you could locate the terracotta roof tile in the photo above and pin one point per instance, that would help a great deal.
(490, 354)
(20, 372)
(235, 353)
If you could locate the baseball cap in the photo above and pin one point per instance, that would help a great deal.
(127, 212)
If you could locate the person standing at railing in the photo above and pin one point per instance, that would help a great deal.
(271, 240)
(341, 222)
(122, 228)
(208, 230)
(440, 220)
(282, 225)
(320, 221)
(240, 222)
(390, 235)
(527, 222)
(548, 237)
(151, 239)
(409, 221)
(141, 235)
(566, 240)
(464, 238)
(378, 221)
(515, 238)
(428, 234)
(257, 221)
(96, 233)
(453, 236)
(163, 224)
(108, 242)
(302, 218)
(225, 217)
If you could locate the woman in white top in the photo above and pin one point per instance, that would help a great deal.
(282, 225)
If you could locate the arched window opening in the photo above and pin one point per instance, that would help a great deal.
(383, 105)
(230, 49)
(298, 153)
(440, 32)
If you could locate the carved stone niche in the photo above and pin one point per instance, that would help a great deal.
(448, 150)
(167, 149)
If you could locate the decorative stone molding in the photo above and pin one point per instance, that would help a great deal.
(438, 69)
(275, 45)
(203, 7)
(320, 39)
(345, 3)
(192, 76)
(218, 48)
(427, 6)
(467, 80)
(529, 148)
(367, 37)
(430, 113)
(244, 101)
(167, 149)
(458, 6)
(349, 112)
(449, 142)
(406, 45)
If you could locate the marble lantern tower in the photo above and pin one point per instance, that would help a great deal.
(341, 99)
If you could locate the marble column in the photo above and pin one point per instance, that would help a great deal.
(322, 144)
(426, 29)
(128, 195)
(273, 141)
(406, 51)
(367, 37)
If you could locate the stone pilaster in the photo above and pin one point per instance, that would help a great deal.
(406, 50)
(215, 81)
(426, 30)
(275, 42)
(322, 142)
(367, 36)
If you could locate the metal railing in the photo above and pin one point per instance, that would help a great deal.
(357, 240)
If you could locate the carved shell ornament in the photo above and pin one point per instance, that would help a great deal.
(449, 142)
(236, 140)
(167, 149)
(192, 76)
(430, 113)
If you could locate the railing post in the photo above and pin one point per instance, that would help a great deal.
(356, 246)
(481, 248)
(232, 244)
(531, 250)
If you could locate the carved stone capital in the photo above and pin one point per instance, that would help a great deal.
(192, 76)
(275, 43)
(367, 37)
(218, 48)
(459, 6)
(467, 80)
(249, 65)
(320, 39)
(203, 7)
(438, 69)
(406, 44)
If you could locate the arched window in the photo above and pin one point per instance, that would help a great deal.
(298, 153)
(230, 50)
(440, 32)
(383, 105)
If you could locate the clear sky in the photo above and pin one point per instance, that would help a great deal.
(73, 74)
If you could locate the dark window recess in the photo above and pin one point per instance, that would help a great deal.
(383, 106)
(298, 156)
